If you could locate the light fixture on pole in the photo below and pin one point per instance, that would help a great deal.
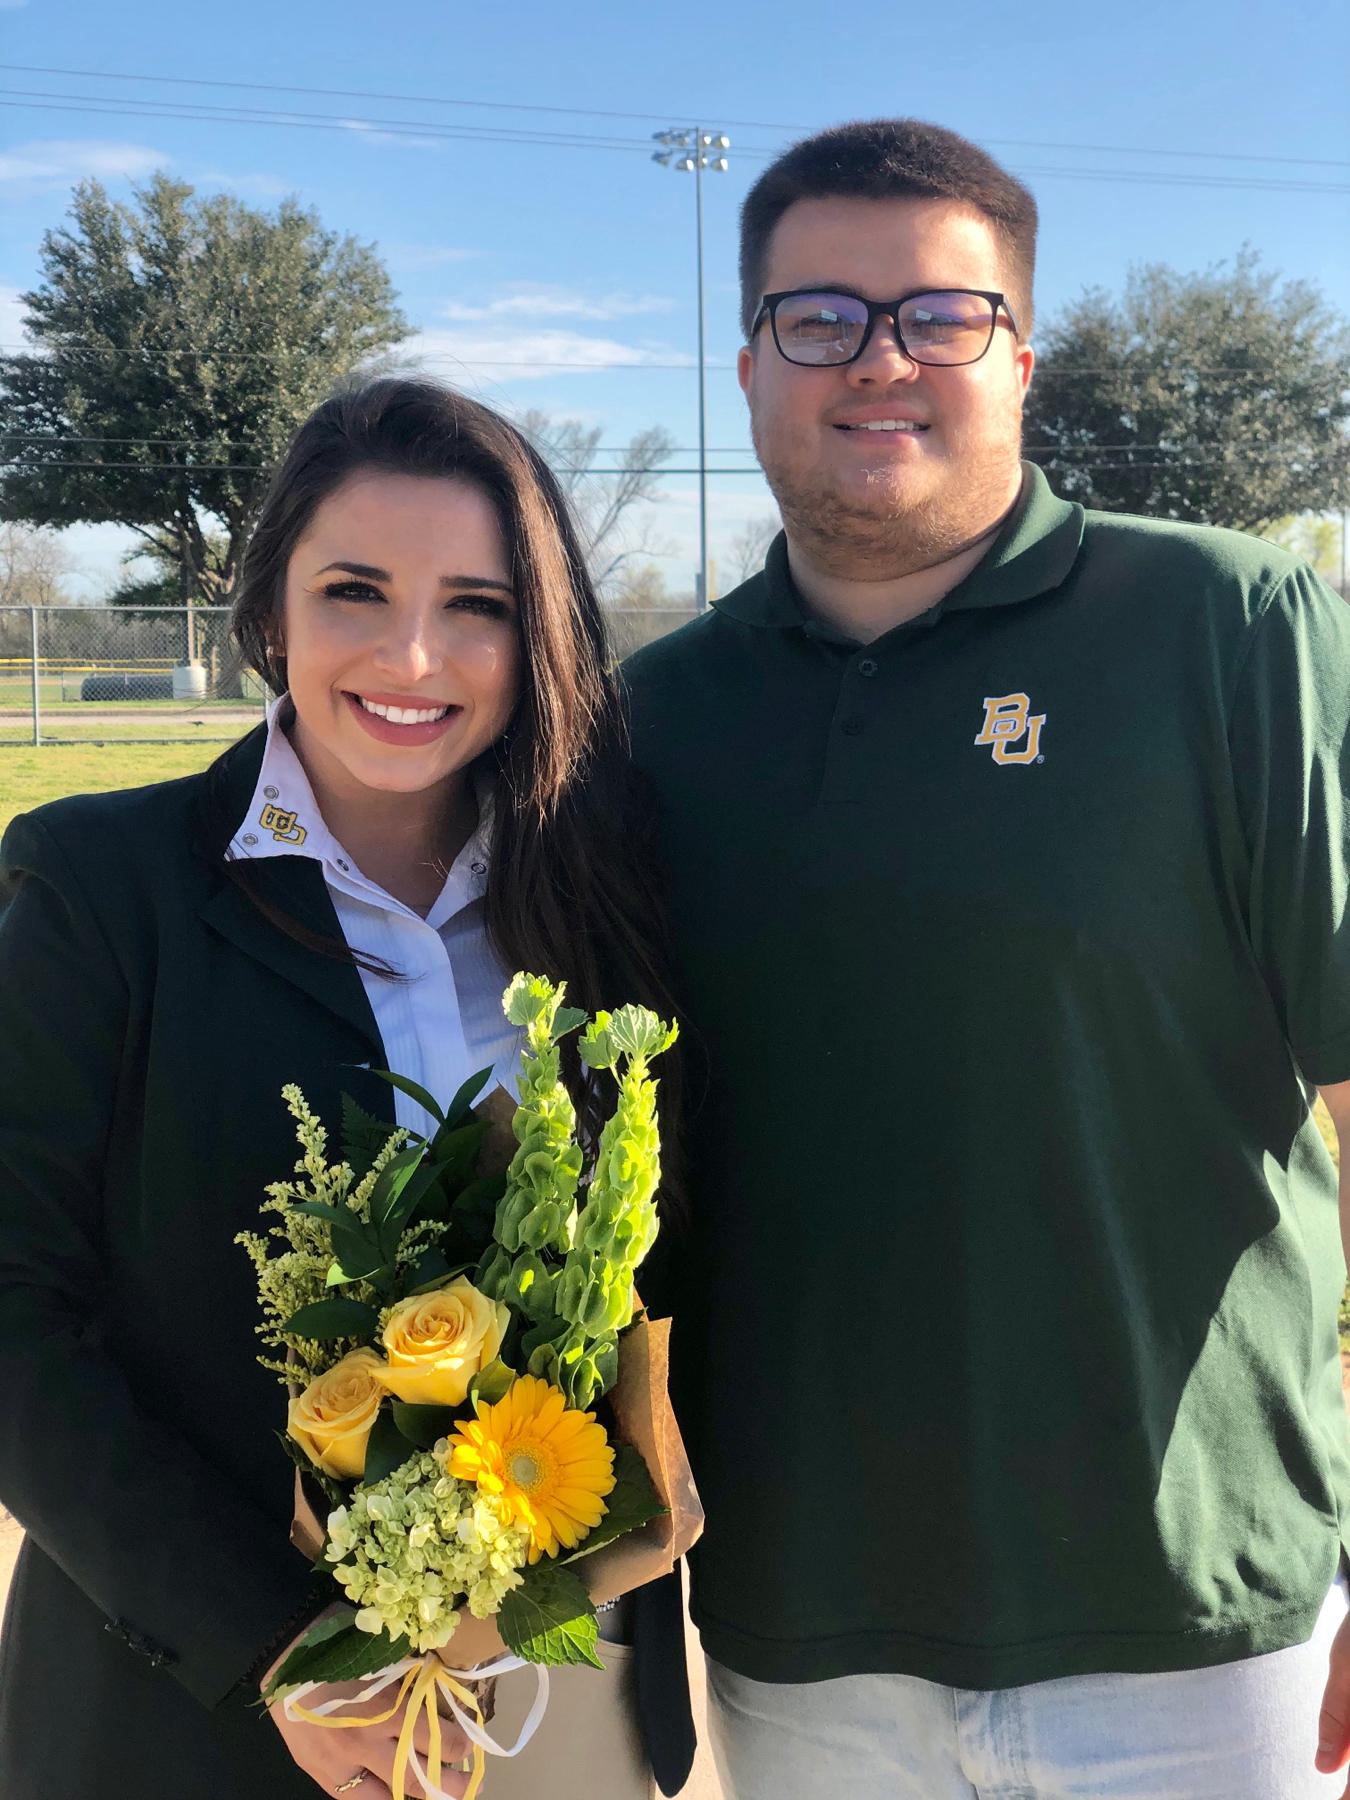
(691, 152)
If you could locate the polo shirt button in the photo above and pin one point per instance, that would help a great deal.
(852, 727)
(867, 666)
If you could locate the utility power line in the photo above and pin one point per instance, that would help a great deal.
(586, 112)
(38, 439)
(196, 112)
(41, 465)
(168, 352)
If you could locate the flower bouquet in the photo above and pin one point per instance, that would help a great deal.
(474, 1401)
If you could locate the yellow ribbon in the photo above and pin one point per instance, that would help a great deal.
(421, 1687)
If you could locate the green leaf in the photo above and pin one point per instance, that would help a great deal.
(550, 1618)
(629, 1505)
(491, 1384)
(480, 1198)
(363, 1137)
(431, 1271)
(328, 1626)
(461, 1107)
(338, 1318)
(345, 1656)
(550, 1331)
(387, 1449)
(358, 1250)
(403, 1205)
(567, 1019)
(392, 1177)
(319, 1209)
(456, 1151)
(413, 1091)
(423, 1426)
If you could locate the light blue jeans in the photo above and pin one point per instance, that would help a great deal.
(1241, 1731)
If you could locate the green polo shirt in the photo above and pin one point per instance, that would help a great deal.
(1010, 945)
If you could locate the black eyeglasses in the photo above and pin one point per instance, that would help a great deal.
(941, 327)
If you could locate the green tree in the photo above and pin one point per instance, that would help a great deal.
(153, 577)
(1222, 398)
(178, 342)
(1314, 539)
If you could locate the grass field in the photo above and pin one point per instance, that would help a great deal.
(28, 777)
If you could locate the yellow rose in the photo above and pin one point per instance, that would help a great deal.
(436, 1343)
(332, 1420)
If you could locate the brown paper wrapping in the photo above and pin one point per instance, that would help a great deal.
(640, 1403)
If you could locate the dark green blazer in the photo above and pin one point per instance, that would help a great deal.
(149, 1016)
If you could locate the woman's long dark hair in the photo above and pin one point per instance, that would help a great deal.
(570, 891)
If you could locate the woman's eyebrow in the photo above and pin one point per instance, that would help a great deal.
(476, 581)
(371, 573)
(355, 568)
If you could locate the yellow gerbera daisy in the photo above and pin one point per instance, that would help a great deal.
(550, 1467)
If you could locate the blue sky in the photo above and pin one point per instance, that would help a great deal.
(509, 253)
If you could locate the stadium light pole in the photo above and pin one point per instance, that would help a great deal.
(691, 152)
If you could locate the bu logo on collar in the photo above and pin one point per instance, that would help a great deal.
(282, 825)
(1008, 720)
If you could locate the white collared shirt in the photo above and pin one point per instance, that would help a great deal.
(443, 1022)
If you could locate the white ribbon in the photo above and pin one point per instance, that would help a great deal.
(476, 1733)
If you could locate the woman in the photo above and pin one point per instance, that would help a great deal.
(438, 797)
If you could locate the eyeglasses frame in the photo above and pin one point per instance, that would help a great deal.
(877, 309)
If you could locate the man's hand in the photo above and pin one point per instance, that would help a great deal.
(1333, 1728)
(359, 1759)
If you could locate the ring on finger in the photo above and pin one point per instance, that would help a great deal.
(345, 1787)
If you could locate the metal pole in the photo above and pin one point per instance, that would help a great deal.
(702, 384)
(37, 690)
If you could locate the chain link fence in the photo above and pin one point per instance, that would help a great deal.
(160, 674)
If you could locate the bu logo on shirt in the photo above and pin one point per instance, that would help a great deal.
(1008, 718)
(282, 825)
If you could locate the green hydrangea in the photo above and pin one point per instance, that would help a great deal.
(411, 1548)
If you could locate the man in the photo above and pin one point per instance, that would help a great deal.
(1008, 864)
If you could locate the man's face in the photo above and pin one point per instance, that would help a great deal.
(886, 502)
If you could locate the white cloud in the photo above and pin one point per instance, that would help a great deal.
(57, 162)
(476, 357)
(11, 316)
(536, 300)
(371, 134)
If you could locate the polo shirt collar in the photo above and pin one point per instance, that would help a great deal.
(1033, 553)
(283, 819)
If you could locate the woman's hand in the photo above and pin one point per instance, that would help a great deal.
(359, 1759)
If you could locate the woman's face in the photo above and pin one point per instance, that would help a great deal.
(401, 633)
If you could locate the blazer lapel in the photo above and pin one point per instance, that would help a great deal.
(294, 888)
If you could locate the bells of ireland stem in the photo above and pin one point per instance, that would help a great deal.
(619, 1222)
(536, 1211)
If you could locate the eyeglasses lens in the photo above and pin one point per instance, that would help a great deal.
(820, 328)
(946, 329)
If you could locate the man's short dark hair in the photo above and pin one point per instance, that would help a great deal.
(891, 159)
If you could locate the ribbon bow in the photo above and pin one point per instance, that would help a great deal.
(423, 1682)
